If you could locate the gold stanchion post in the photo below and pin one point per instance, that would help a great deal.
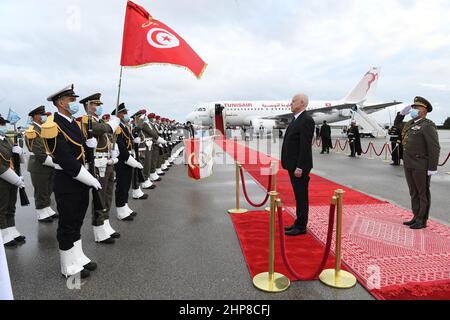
(336, 277)
(238, 209)
(370, 150)
(273, 172)
(386, 147)
(337, 146)
(271, 281)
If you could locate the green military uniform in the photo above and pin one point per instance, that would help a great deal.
(104, 163)
(151, 138)
(155, 169)
(139, 148)
(420, 157)
(41, 168)
(9, 183)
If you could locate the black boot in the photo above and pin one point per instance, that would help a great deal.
(410, 223)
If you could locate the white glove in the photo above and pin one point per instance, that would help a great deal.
(114, 123)
(101, 163)
(137, 140)
(406, 110)
(432, 173)
(132, 162)
(115, 153)
(49, 162)
(113, 161)
(91, 143)
(161, 141)
(17, 150)
(85, 177)
(11, 177)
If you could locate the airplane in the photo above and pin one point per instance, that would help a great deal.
(269, 115)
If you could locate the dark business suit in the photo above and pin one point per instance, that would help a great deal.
(297, 153)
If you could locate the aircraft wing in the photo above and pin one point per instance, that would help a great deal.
(288, 116)
(377, 107)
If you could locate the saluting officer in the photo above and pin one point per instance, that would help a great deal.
(40, 166)
(420, 158)
(139, 147)
(9, 184)
(105, 159)
(65, 142)
(124, 168)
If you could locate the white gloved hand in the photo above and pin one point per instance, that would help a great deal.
(114, 123)
(113, 161)
(91, 143)
(101, 162)
(432, 173)
(17, 150)
(161, 141)
(406, 110)
(115, 153)
(49, 162)
(85, 177)
(132, 162)
(137, 140)
(11, 177)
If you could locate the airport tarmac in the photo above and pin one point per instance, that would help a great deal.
(182, 245)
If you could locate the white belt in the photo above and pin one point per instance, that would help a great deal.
(142, 149)
(101, 154)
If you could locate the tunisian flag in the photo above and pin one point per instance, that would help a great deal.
(149, 41)
(199, 157)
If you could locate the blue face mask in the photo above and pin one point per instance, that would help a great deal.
(99, 111)
(126, 118)
(73, 108)
(414, 113)
(3, 131)
(44, 118)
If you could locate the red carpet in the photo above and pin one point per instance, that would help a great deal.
(390, 260)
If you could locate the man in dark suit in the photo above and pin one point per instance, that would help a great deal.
(296, 157)
(325, 134)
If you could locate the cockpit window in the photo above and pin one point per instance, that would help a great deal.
(201, 109)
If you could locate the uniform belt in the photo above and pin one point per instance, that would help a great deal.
(101, 154)
(142, 149)
(31, 153)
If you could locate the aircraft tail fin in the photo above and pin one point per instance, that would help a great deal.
(365, 88)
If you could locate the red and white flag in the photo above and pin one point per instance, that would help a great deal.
(149, 41)
(200, 157)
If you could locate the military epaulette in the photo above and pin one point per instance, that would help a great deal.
(85, 119)
(30, 133)
(118, 131)
(49, 130)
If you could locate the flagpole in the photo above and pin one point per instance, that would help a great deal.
(120, 87)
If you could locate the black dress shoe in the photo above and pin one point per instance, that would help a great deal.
(410, 223)
(115, 235)
(295, 232)
(143, 197)
(46, 220)
(129, 218)
(12, 243)
(108, 241)
(55, 216)
(20, 239)
(288, 228)
(161, 174)
(418, 225)
(91, 266)
(157, 180)
(133, 214)
(152, 187)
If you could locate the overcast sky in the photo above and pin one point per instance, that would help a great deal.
(255, 50)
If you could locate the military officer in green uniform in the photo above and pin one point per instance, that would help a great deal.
(40, 166)
(139, 148)
(105, 158)
(420, 158)
(155, 170)
(9, 184)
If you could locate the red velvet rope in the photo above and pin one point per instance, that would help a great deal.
(368, 147)
(379, 154)
(326, 254)
(345, 145)
(389, 149)
(443, 164)
(335, 144)
(244, 188)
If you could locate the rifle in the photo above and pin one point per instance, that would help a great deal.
(16, 161)
(139, 175)
(97, 197)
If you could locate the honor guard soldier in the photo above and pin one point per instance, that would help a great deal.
(151, 138)
(65, 142)
(161, 168)
(40, 166)
(139, 150)
(105, 159)
(154, 177)
(420, 158)
(395, 133)
(9, 184)
(354, 139)
(156, 155)
(124, 168)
